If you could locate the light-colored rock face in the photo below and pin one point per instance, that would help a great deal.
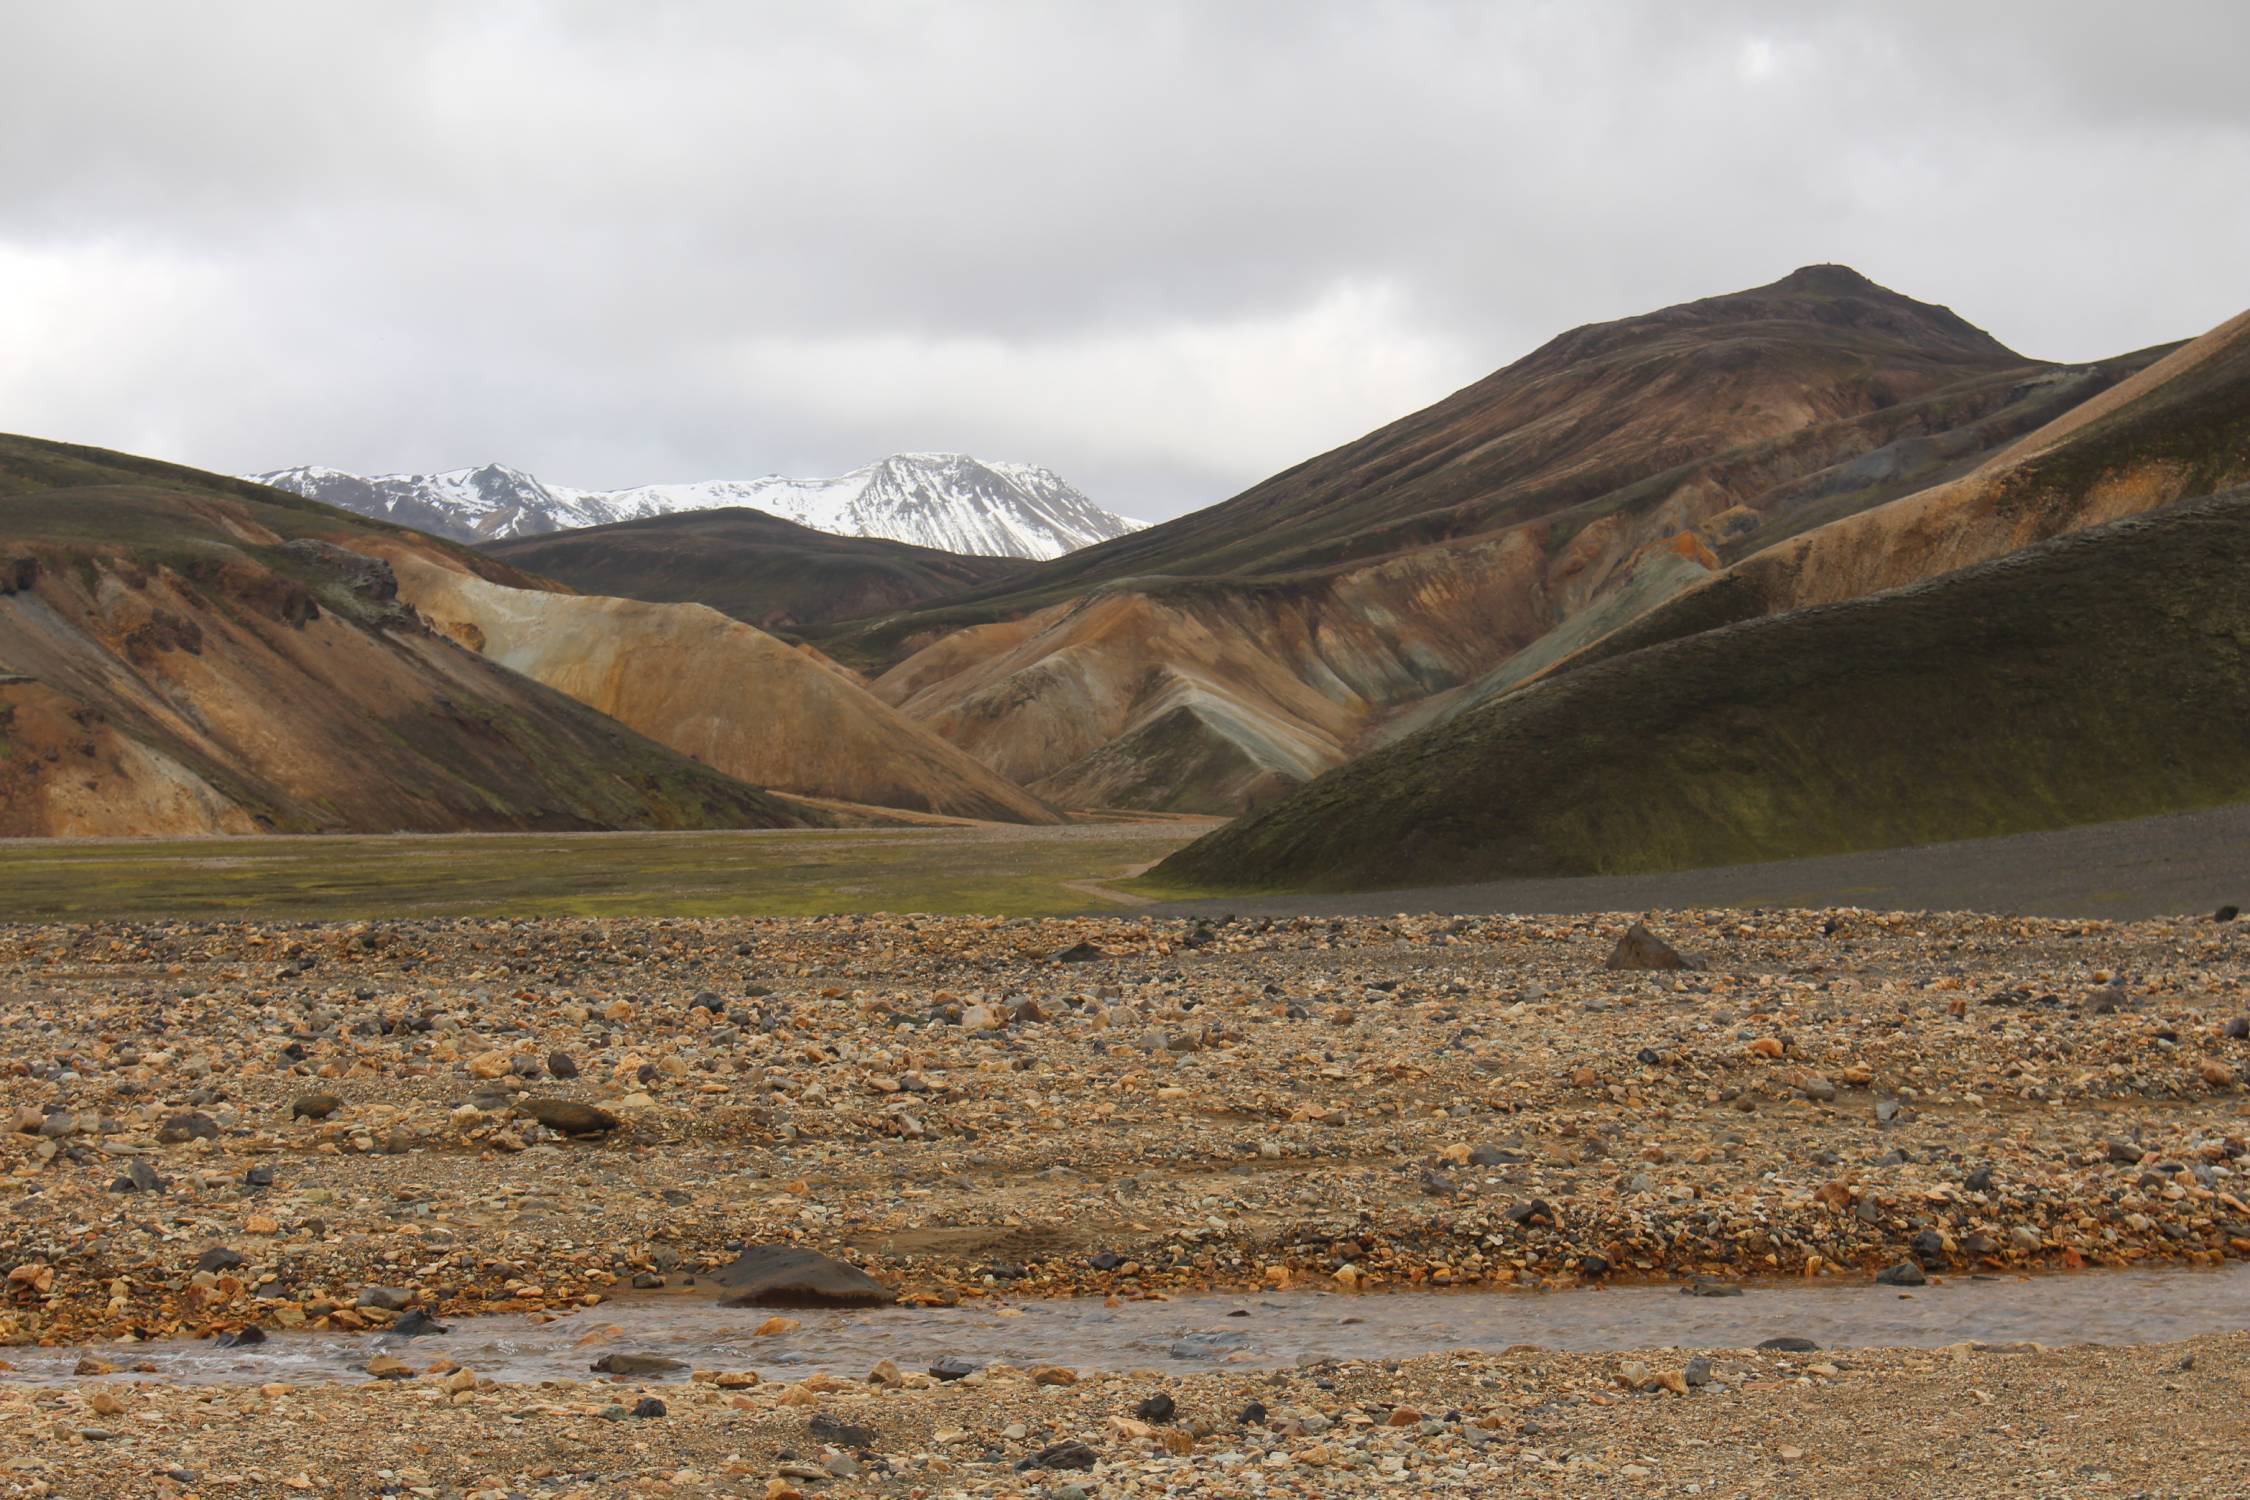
(1211, 698)
(2174, 430)
(216, 695)
(713, 688)
(1971, 520)
(100, 783)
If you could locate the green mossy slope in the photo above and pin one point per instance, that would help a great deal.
(2102, 675)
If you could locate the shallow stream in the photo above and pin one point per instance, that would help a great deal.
(1214, 1330)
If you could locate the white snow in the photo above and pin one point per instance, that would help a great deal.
(945, 500)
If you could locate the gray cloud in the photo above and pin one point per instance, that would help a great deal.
(1164, 248)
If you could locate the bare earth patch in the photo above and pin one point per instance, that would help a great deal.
(980, 1108)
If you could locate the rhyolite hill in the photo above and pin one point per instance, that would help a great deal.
(1213, 663)
(183, 653)
(1993, 654)
(2101, 675)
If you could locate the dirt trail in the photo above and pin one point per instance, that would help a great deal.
(2184, 863)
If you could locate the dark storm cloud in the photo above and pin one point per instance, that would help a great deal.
(1163, 248)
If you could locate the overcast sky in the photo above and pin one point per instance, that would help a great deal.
(1163, 249)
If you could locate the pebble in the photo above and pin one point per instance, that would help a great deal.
(572, 1117)
(1071, 1454)
(637, 1364)
(1419, 1100)
(1641, 949)
(827, 1429)
(1157, 1408)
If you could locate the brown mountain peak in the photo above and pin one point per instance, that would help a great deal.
(1829, 280)
(1834, 301)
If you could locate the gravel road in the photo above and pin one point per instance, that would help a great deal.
(2170, 866)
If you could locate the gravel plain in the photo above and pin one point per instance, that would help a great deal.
(213, 1127)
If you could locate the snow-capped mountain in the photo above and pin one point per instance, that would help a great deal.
(944, 500)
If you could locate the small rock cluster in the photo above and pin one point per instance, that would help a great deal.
(213, 1130)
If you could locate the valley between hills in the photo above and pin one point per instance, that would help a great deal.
(1667, 592)
(1741, 810)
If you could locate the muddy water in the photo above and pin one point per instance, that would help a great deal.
(1213, 1331)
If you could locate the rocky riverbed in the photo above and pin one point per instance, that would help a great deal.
(213, 1128)
(2152, 1420)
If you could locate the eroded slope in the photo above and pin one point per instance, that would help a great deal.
(2176, 429)
(2104, 674)
(713, 688)
(185, 654)
(1541, 508)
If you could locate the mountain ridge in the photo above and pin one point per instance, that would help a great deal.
(759, 568)
(1600, 474)
(947, 501)
(1473, 459)
(2108, 669)
(1961, 661)
(184, 653)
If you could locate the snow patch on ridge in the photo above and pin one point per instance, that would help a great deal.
(945, 500)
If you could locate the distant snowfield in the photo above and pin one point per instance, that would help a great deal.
(945, 500)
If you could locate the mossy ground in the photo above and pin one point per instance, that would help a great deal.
(949, 871)
(2101, 676)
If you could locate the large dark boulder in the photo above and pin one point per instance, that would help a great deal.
(786, 1276)
(1640, 948)
(570, 1116)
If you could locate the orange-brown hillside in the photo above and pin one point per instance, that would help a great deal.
(186, 654)
(1212, 662)
(2177, 429)
(713, 688)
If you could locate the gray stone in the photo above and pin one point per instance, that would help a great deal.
(570, 1116)
(827, 1429)
(637, 1364)
(1070, 1455)
(189, 1126)
(1157, 1408)
(1704, 1286)
(788, 1276)
(1641, 949)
